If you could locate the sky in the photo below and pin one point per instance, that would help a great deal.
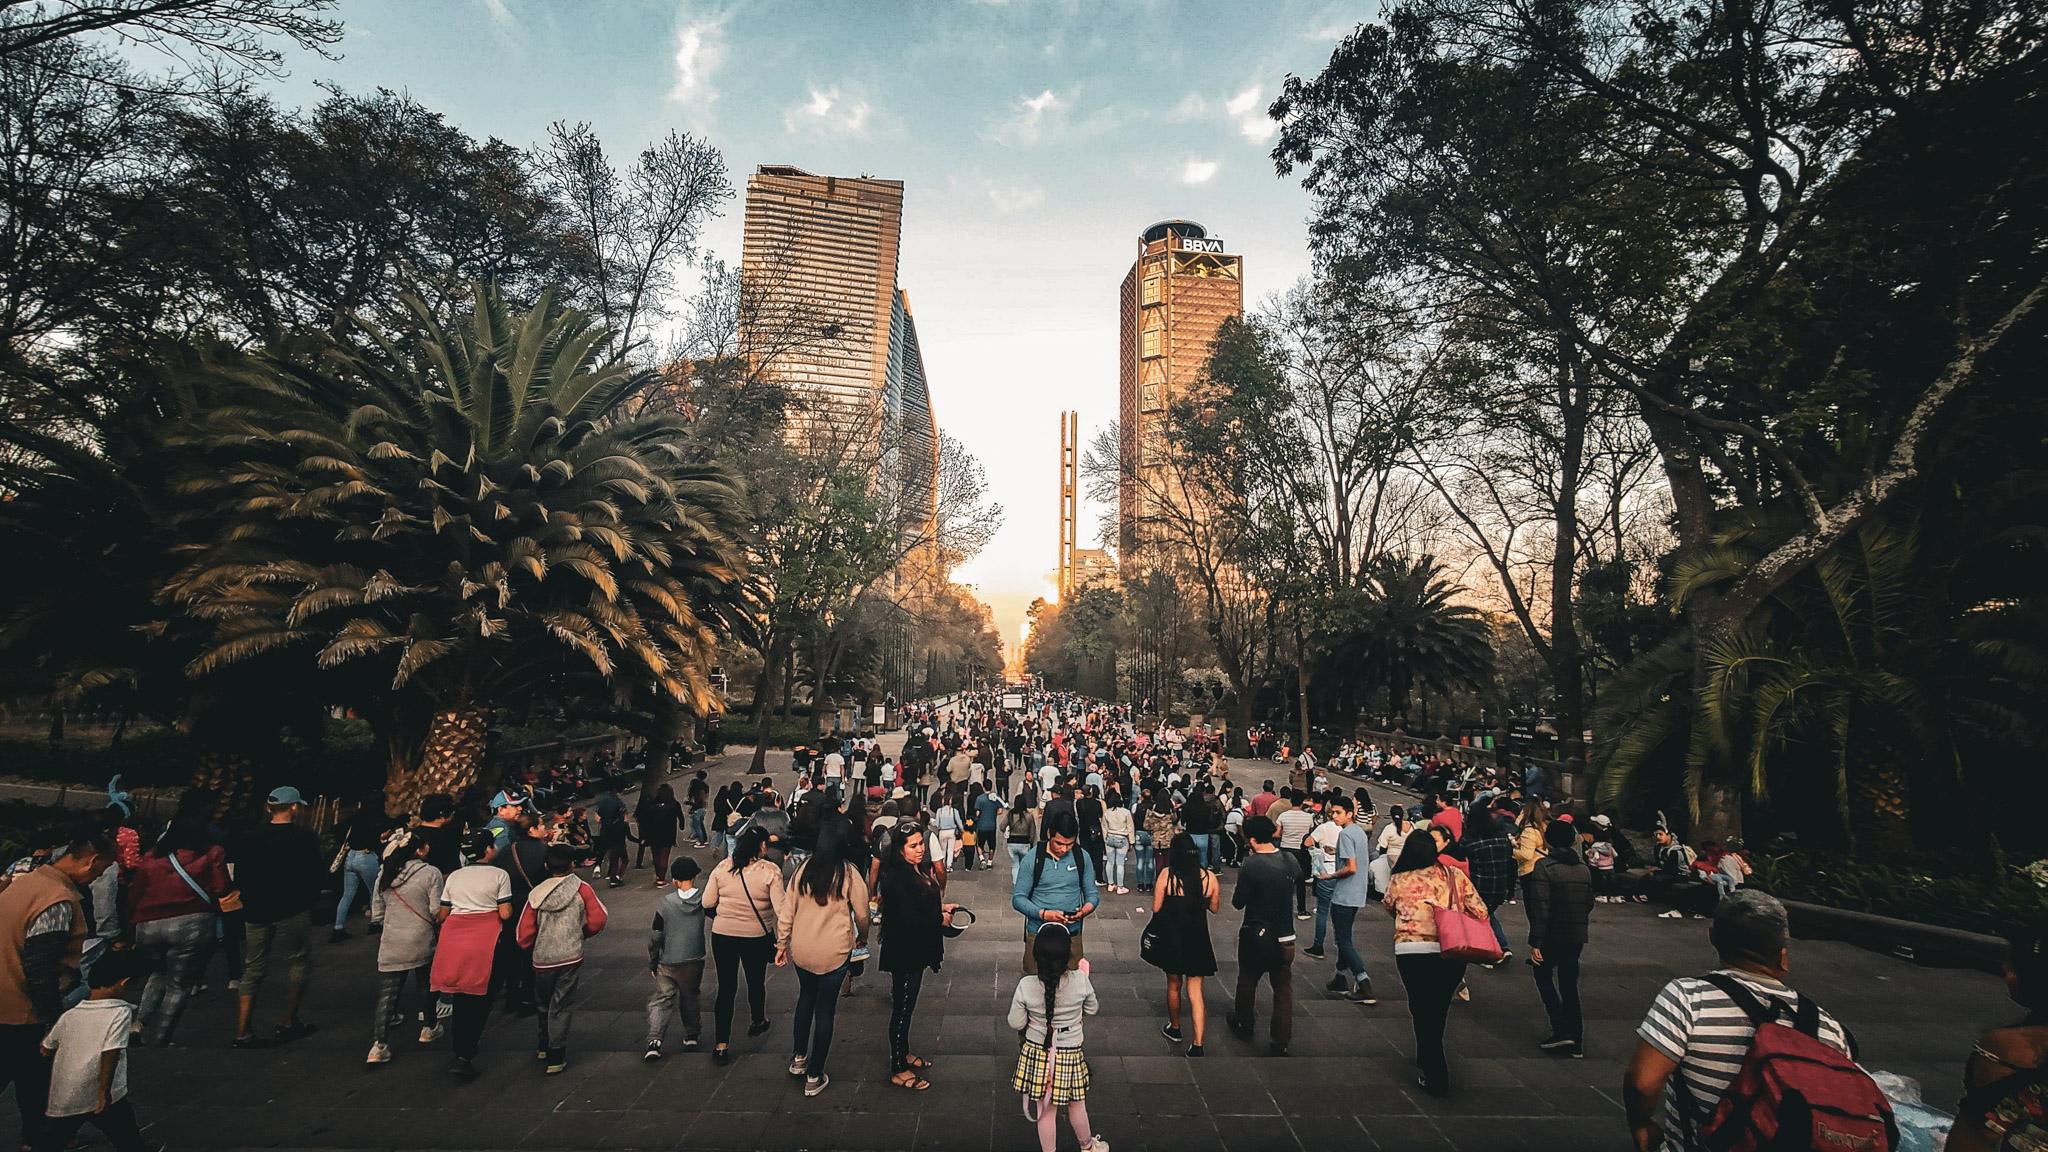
(1035, 140)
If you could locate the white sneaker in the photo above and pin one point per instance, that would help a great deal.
(432, 1033)
(797, 1064)
(1098, 1144)
(380, 1053)
(1674, 914)
(816, 1084)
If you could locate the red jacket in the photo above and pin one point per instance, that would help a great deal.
(157, 892)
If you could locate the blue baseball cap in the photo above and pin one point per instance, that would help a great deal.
(286, 795)
(511, 798)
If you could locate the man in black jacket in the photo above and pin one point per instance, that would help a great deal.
(279, 870)
(1560, 893)
(1265, 944)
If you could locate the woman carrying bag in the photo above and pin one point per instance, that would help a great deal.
(1177, 941)
(1422, 888)
(821, 919)
(739, 893)
(913, 892)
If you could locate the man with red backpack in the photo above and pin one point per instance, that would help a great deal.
(1736, 1061)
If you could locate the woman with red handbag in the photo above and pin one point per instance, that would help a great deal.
(1435, 909)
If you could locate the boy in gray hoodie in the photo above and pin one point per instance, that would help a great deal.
(675, 954)
(561, 912)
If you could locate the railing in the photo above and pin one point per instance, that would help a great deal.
(1560, 781)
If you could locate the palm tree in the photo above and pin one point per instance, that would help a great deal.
(451, 518)
(1417, 634)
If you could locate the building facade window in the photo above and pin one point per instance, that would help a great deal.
(1148, 345)
(1151, 291)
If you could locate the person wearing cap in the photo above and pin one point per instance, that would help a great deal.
(279, 869)
(508, 815)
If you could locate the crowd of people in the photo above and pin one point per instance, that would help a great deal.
(475, 904)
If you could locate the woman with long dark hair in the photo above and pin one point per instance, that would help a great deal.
(174, 906)
(661, 823)
(406, 896)
(2005, 1083)
(1419, 886)
(740, 892)
(1183, 898)
(1046, 1009)
(913, 891)
(821, 916)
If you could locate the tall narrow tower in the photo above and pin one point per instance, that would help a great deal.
(1179, 291)
(1070, 497)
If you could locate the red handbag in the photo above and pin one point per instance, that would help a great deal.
(1462, 935)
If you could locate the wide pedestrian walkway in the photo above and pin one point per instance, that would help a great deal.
(1348, 1085)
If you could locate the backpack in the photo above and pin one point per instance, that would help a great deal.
(1795, 1092)
(1038, 859)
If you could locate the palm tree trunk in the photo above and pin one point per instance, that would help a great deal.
(227, 775)
(449, 761)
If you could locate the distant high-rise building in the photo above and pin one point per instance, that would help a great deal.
(825, 313)
(1178, 293)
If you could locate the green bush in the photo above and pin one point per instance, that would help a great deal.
(1929, 891)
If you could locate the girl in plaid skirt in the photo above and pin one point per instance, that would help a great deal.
(1051, 1071)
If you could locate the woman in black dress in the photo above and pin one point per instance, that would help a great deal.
(1184, 897)
(661, 822)
(912, 890)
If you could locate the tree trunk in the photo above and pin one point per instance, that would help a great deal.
(226, 774)
(1566, 674)
(1880, 807)
(449, 761)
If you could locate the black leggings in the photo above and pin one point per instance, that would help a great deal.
(1431, 979)
(731, 954)
(467, 1024)
(903, 990)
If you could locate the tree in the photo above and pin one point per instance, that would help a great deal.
(450, 512)
(1737, 139)
(1419, 635)
(632, 232)
(233, 33)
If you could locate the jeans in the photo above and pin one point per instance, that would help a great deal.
(697, 831)
(1204, 844)
(1018, 852)
(554, 993)
(359, 870)
(1282, 974)
(1431, 979)
(731, 954)
(1500, 934)
(903, 990)
(1561, 998)
(1345, 919)
(1147, 866)
(1323, 890)
(1117, 858)
(172, 945)
(817, 1004)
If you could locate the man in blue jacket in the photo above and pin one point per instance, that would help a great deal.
(1056, 886)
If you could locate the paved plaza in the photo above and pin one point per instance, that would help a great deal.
(1348, 1085)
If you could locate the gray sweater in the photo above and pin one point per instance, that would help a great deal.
(407, 912)
(678, 935)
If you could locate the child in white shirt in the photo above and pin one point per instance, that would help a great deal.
(88, 1051)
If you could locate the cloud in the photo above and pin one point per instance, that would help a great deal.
(1198, 171)
(829, 111)
(700, 49)
(1258, 128)
(1333, 32)
(499, 13)
(1193, 106)
(1244, 101)
(1030, 119)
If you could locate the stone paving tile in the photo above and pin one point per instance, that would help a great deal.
(1349, 1084)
